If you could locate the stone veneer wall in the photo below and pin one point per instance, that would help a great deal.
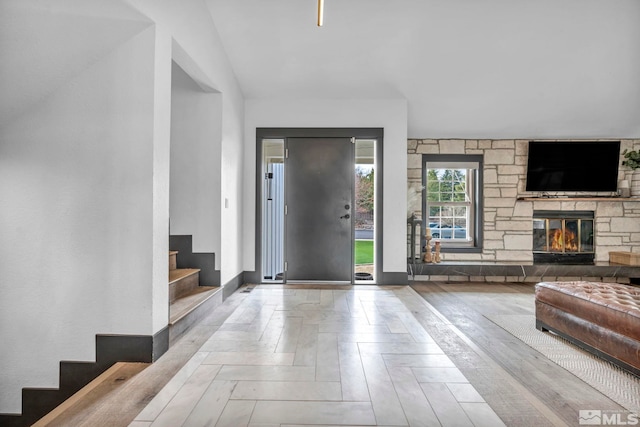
(507, 220)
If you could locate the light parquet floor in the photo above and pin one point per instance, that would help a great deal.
(293, 356)
(420, 355)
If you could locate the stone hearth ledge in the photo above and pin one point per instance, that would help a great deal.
(515, 269)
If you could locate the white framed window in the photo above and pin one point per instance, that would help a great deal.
(452, 200)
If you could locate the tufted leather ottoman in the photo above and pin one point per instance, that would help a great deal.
(603, 318)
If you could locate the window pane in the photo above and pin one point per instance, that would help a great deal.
(449, 222)
(433, 186)
(434, 212)
(446, 185)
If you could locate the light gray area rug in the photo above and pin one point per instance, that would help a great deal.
(615, 383)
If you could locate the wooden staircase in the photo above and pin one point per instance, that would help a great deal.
(92, 397)
(188, 301)
(89, 381)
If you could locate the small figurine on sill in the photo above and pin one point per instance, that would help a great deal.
(427, 254)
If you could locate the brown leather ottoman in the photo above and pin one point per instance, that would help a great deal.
(603, 318)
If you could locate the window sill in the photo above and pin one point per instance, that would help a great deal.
(460, 249)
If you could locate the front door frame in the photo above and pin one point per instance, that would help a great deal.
(284, 133)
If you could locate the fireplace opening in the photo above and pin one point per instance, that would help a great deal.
(563, 237)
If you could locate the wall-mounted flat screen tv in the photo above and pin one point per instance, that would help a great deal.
(573, 166)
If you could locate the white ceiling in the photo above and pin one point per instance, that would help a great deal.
(467, 68)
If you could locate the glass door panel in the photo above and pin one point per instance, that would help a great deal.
(273, 210)
(364, 245)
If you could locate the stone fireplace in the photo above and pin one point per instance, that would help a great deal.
(563, 237)
(508, 213)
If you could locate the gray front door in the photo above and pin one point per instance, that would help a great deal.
(319, 181)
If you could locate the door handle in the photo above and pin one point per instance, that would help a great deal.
(347, 216)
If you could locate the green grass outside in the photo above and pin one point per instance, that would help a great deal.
(364, 252)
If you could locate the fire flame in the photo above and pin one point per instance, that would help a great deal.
(568, 242)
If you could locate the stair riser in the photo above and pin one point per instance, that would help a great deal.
(183, 325)
(209, 276)
(183, 286)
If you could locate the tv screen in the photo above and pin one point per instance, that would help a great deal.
(573, 166)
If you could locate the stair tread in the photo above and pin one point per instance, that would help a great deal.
(87, 399)
(185, 304)
(180, 273)
(173, 252)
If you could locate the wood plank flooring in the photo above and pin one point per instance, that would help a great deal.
(529, 375)
(292, 355)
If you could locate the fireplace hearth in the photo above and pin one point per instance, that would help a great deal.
(563, 237)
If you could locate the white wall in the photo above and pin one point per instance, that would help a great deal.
(233, 177)
(197, 49)
(161, 156)
(391, 115)
(196, 129)
(76, 176)
(84, 173)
